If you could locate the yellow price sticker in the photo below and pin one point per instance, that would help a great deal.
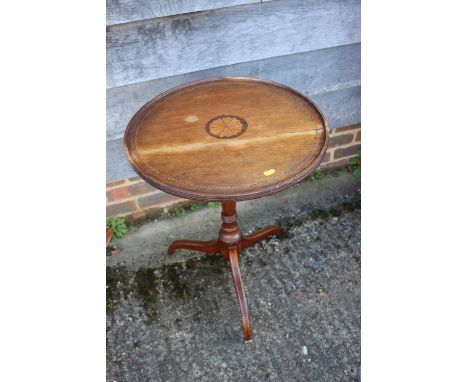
(269, 172)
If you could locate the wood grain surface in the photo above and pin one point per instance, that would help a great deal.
(342, 108)
(168, 46)
(226, 138)
(125, 11)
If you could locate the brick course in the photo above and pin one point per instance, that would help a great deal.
(347, 128)
(340, 140)
(343, 152)
(335, 164)
(137, 200)
(141, 188)
(118, 193)
(156, 199)
(121, 208)
(116, 183)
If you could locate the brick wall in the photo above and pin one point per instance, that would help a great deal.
(344, 142)
(137, 200)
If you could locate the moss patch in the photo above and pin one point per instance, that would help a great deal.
(117, 285)
(322, 214)
(185, 279)
(188, 279)
(147, 290)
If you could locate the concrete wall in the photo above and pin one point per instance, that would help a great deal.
(313, 46)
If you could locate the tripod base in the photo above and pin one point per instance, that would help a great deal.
(230, 244)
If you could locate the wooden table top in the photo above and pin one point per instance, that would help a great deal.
(228, 138)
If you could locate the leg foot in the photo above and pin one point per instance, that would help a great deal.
(254, 238)
(236, 277)
(202, 246)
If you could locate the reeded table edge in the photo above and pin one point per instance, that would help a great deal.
(199, 196)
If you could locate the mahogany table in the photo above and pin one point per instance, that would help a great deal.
(227, 139)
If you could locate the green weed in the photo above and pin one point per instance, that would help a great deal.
(316, 175)
(196, 206)
(118, 225)
(355, 164)
(180, 211)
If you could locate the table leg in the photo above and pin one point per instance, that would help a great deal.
(229, 244)
(257, 236)
(211, 246)
(238, 285)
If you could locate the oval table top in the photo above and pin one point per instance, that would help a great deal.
(228, 138)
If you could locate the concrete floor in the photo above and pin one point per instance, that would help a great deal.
(177, 318)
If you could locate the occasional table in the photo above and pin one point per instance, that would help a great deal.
(227, 139)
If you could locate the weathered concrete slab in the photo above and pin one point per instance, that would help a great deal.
(181, 322)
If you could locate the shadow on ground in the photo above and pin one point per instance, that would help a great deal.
(177, 319)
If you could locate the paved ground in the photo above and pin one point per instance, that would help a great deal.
(177, 319)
